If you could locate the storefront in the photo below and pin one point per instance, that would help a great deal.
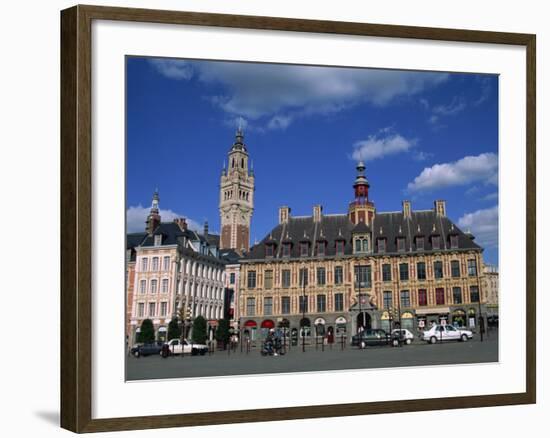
(250, 328)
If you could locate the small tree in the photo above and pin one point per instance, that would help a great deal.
(222, 331)
(199, 330)
(147, 331)
(174, 331)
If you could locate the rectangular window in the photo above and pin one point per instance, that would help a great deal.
(153, 286)
(155, 264)
(269, 250)
(286, 249)
(436, 242)
(363, 276)
(400, 244)
(268, 306)
(405, 298)
(321, 248)
(152, 308)
(164, 286)
(474, 294)
(438, 269)
(285, 305)
(321, 303)
(141, 310)
(286, 278)
(303, 304)
(439, 296)
(472, 268)
(457, 295)
(251, 306)
(421, 270)
(455, 268)
(338, 275)
(338, 302)
(303, 277)
(339, 247)
(381, 245)
(321, 276)
(304, 249)
(232, 278)
(387, 295)
(144, 264)
(268, 280)
(386, 272)
(142, 286)
(251, 280)
(420, 243)
(454, 241)
(163, 308)
(422, 297)
(166, 263)
(403, 271)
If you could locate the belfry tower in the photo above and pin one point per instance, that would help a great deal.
(361, 209)
(236, 198)
(153, 219)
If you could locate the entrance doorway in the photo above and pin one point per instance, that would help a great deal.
(364, 321)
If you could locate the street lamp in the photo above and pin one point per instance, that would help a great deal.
(358, 277)
(303, 310)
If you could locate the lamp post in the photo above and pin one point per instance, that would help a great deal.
(303, 310)
(358, 277)
(481, 322)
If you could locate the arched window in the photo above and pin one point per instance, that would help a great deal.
(242, 163)
(357, 245)
(233, 162)
(365, 245)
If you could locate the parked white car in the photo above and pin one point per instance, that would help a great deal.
(176, 346)
(446, 332)
(406, 335)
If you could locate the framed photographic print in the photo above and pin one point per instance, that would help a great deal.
(316, 218)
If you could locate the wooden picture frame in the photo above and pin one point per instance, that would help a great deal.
(76, 217)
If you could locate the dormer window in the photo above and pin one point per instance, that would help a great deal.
(361, 244)
(269, 250)
(420, 243)
(454, 241)
(321, 248)
(158, 239)
(339, 247)
(304, 249)
(400, 244)
(382, 245)
(436, 242)
(286, 249)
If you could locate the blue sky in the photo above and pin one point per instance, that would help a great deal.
(423, 136)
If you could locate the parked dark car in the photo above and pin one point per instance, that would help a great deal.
(146, 349)
(373, 337)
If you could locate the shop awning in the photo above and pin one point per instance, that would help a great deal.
(432, 310)
(250, 323)
(268, 323)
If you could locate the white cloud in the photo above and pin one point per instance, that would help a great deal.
(377, 147)
(485, 92)
(483, 167)
(285, 92)
(136, 216)
(173, 68)
(490, 197)
(483, 224)
(457, 105)
(279, 122)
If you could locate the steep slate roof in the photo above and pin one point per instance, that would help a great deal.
(386, 225)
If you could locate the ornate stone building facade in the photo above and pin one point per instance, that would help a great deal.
(331, 274)
(172, 267)
(236, 198)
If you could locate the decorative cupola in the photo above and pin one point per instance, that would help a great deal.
(361, 209)
(153, 219)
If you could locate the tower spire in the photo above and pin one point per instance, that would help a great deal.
(153, 220)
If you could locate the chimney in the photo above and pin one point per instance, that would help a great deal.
(317, 213)
(407, 212)
(182, 223)
(205, 228)
(284, 214)
(440, 210)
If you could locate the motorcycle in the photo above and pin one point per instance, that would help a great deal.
(272, 348)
